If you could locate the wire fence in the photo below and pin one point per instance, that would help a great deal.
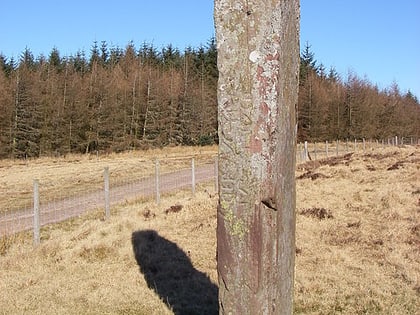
(108, 188)
(307, 151)
(104, 190)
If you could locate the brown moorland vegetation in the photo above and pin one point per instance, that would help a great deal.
(357, 248)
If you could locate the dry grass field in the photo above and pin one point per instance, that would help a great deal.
(357, 247)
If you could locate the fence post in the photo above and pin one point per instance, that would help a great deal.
(355, 145)
(299, 152)
(157, 182)
(326, 148)
(37, 225)
(306, 156)
(106, 185)
(216, 175)
(396, 141)
(336, 149)
(193, 176)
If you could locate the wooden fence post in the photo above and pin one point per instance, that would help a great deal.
(157, 181)
(106, 190)
(193, 176)
(216, 176)
(326, 148)
(299, 152)
(37, 224)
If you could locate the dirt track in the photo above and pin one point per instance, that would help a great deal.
(54, 212)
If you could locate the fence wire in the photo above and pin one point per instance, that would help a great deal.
(63, 204)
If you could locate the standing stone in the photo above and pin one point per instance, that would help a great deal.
(258, 62)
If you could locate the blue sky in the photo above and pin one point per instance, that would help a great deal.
(373, 38)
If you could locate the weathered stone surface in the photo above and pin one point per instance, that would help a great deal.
(258, 62)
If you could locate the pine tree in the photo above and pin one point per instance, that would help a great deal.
(333, 75)
(307, 63)
(104, 53)
(55, 60)
(79, 63)
(307, 75)
(26, 131)
(94, 54)
(27, 59)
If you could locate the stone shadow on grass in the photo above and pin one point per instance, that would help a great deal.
(170, 273)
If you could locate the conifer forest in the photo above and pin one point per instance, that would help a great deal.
(115, 99)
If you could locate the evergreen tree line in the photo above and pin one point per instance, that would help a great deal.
(331, 107)
(140, 97)
(114, 100)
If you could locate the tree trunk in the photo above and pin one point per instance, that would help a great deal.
(258, 62)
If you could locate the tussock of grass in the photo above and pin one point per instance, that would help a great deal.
(97, 253)
(319, 213)
(5, 243)
(8, 241)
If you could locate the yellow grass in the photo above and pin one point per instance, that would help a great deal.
(364, 260)
(358, 248)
